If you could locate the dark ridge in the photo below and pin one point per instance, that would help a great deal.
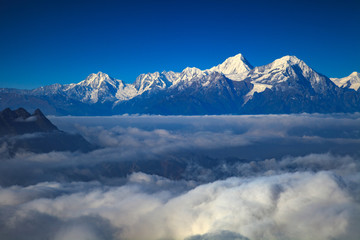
(45, 136)
(21, 112)
(20, 122)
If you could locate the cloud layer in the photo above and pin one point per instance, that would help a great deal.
(210, 177)
(286, 206)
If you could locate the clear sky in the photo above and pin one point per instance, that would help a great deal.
(61, 41)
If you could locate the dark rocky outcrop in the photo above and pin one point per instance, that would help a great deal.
(20, 122)
(22, 131)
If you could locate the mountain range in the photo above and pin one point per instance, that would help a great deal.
(287, 85)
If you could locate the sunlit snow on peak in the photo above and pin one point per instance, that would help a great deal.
(352, 81)
(233, 65)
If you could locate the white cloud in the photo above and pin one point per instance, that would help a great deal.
(229, 177)
(298, 205)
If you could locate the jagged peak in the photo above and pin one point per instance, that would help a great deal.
(233, 65)
(99, 75)
(95, 80)
(146, 81)
(145, 77)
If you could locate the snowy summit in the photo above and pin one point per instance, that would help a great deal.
(352, 81)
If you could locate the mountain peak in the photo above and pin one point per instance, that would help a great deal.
(352, 81)
(99, 75)
(96, 87)
(286, 60)
(354, 74)
(289, 70)
(95, 80)
(37, 112)
(233, 65)
(191, 71)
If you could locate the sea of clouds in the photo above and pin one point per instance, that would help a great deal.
(194, 178)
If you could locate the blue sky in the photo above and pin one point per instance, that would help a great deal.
(44, 42)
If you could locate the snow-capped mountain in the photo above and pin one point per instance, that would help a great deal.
(150, 81)
(352, 81)
(95, 88)
(285, 69)
(286, 73)
(287, 85)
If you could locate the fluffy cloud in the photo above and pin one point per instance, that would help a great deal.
(299, 205)
(208, 177)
